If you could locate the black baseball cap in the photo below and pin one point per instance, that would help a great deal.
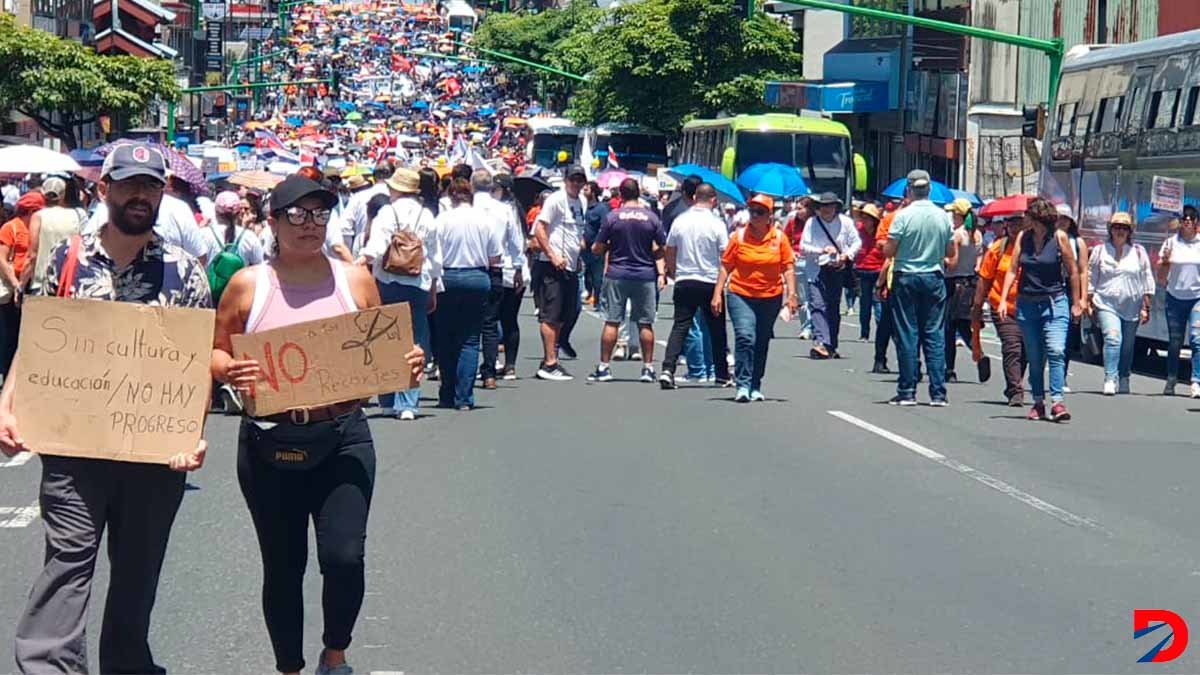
(294, 188)
(575, 170)
(134, 159)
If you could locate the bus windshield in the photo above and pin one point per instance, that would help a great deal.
(547, 146)
(823, 160)
(635, 152)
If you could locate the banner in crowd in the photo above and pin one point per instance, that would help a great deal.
(112, 380)
(342, 358)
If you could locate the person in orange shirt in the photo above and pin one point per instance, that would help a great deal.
(15, 272)
(992, 269)
(758, 266)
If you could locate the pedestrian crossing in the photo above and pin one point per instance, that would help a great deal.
(18, 517)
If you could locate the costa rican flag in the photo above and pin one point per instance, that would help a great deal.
(495, 138)
(271, 147)
(612, 158)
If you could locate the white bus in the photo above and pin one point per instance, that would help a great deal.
(550, 136)
(637, 148)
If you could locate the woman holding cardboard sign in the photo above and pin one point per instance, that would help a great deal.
(317, 463)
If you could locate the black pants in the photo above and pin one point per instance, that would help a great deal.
(336, 496)
(10, 328)
(575, 308)
(1012, 351)
(79, 499)
(510, 307)
(958, 321)
(690, 297)
(884, 331)
(490, 330)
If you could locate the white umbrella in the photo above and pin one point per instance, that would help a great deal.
(34, 159)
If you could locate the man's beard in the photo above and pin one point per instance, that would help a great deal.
(130, 225)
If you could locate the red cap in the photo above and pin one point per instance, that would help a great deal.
(31, 201)
(764, 201)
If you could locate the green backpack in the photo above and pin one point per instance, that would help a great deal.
(224, 265)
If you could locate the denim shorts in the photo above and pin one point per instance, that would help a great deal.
(641, 296)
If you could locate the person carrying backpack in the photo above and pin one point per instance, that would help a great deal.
(231, 245)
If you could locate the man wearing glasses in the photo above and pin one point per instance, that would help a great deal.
(124, 260)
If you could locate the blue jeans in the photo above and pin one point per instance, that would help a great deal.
(918, 317)
(418, 303)
(1044, 324)
(825, 301)
(1119, 336)
(460, 319)
(1183, 321)
(867, 305)
(697, 349)
(753, 327)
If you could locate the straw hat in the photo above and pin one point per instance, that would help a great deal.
(1122, 218)
(406, 181)
(871, 210)
(960, 206)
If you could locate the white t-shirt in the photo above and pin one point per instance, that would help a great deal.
(466, 237)
(1183, 279)
(249, 247)
(563, 217)
(508, 231)
(699, 238)
(417, 219)
(175, 225)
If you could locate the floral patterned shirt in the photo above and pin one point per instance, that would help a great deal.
(162, 274)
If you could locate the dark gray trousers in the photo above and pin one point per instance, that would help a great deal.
(79, 498)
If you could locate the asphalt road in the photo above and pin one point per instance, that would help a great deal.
(576, 527)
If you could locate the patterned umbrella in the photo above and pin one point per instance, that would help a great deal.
(177, 163)
(255, 180)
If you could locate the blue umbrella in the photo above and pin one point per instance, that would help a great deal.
(85, 157)
(534, 109)
(724, 187)
(938, 194)
(420, 105)
(777, 180)
(976, 202)
(487, 112)
(346, 106)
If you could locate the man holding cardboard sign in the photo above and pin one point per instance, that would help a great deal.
(304, 340)
(121, 481)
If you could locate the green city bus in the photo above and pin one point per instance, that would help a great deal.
(820, 148)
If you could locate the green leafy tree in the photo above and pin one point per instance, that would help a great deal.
(43, 74)
(867, 27)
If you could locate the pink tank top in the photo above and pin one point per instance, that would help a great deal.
(276, 306)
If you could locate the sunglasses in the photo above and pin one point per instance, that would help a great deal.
(1190, 219)
(296, 215)
(1121, 227)
(758, 211)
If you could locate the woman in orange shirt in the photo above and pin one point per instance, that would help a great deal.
(992, 269)
(758, 265)
(15, 272)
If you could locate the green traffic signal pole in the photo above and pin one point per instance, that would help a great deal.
(524, 62)
(255, 86)
(1051, 48)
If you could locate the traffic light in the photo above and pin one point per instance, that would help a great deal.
(1031, 125)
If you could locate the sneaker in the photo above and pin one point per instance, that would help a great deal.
(635, 355)
(904, 401)
(742, 396)
(722, 384)
(1059, 412)
(1016, 401)
(567, 351)
(340, 669)
(407, 415)
(1037, 413)
(757, 395)
(1169, 389)
(1196, 390)
(1123, 386)
(554, 373)
(666, 380)
(510, 373)
(431, 371)
(952, 377)
(647, 374)
(1066, 389)
(489, 383)
(939, 403)
(806, 334)
(601, 374)
(881, 368)
(620, 352)
(1110, 388)
(818, 354)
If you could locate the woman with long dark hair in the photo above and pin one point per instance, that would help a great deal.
(1179, 272)
(1045, 264)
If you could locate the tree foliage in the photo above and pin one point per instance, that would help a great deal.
(44, 73)
(654, 62)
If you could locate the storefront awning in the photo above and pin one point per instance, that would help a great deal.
(829, 97)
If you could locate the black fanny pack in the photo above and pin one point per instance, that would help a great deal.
(299, 447)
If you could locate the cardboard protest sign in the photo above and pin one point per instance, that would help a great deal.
(342, 358)
(112, 380)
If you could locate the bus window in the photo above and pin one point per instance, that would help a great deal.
(1137, 106)
(1066, 117)
(1190, 117)
(1081, 125)
(755, 147)
(1163, 105)
(823, 160)
(1109, 115)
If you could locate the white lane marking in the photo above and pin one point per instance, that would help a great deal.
(596, 315)
(21, 516)
(20, 459)
(1060, 514)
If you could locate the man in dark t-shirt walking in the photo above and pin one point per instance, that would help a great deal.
(633, 237)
